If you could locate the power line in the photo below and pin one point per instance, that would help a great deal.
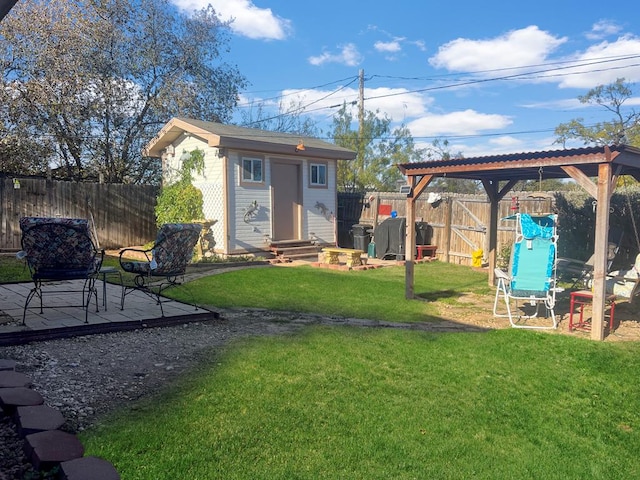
(298, 91)
(612, 58)
(301, 109)
(524, 76)
(529, 75)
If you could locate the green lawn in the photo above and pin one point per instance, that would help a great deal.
(374, 294)
(337, 403)
(354, 403)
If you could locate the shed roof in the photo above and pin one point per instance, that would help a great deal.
(527, 165)
(242, 138)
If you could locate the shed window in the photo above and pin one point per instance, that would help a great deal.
(318, 175)
(252, 170)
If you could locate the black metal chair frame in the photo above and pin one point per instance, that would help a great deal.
(153, 277)
(45, 266)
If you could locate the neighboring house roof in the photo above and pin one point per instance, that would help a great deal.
(242, 138)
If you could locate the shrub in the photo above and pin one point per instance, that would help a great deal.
(180, 201)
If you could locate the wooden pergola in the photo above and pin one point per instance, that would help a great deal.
(595, 169)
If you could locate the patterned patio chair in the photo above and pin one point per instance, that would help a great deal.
(57, 250)
(164, 263)
(624, 283)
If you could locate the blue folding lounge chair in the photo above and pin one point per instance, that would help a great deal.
(532, 271)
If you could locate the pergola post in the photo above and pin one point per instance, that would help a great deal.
(410, 241)
(600, 254)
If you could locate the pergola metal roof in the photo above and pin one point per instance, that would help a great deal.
(526, 166)
(499, 173)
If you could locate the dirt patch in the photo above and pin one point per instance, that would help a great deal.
(477, 310)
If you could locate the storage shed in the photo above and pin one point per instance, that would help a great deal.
(259, 186)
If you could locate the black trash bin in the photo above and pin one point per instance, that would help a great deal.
(361, 236)
(423, 233)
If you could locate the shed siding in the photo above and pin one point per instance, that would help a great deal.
(319, 224)
(254, 233)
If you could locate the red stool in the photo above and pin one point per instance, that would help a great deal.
(585, 297)
(429, 250)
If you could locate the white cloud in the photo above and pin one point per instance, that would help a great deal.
(348, 55)
(500, 145)
(388, 47)
(554, 105)
(602, 29)
(466, 122)
(248, 20)
(420, 44)
(518, 48)
(396, 103)
(506, 142)
(596, 72)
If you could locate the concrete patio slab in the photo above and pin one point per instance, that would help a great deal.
(139, 310)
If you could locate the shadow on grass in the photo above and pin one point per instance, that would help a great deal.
(435, 296)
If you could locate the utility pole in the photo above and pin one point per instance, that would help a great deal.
(361, 105)
(361, 141)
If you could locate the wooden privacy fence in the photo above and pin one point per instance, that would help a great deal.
(459, 224)
(123, 215)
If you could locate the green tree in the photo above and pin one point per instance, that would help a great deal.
(96, 79)
(378, 149)
(439, 150)
(624, 128)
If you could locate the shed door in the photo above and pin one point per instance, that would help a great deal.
(285, 184)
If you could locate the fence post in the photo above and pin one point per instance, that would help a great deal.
(447, 229)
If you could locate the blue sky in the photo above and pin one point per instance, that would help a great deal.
(490, 77)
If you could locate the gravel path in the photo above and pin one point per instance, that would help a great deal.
(87, 377)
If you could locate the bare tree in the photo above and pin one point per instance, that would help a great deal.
(289, 119)
(97, 78)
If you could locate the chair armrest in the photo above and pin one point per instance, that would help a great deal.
(622, 278)
(563, 262)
